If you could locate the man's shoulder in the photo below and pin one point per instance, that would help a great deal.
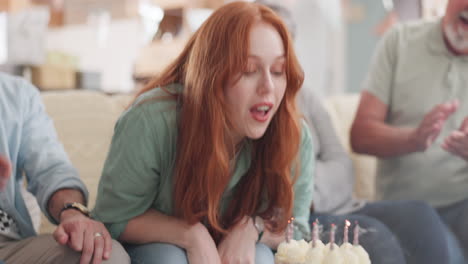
(416, 31)
(15, 88)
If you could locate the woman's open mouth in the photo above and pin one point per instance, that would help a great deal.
(261, 112)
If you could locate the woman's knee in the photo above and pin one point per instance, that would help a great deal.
(263, 254)
(155, 253)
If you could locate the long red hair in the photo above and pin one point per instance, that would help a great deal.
(215, 53)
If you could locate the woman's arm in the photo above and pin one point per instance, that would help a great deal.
(304, 185)
(153, 226)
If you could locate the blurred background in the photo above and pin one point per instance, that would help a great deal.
(115, 46)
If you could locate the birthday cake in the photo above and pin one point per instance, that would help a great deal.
(315, 252)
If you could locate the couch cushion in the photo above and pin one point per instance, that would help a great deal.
(342, 109)
(84, 121)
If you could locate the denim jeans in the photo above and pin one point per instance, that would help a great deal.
(161, 253)
(455, 217)
(397, 232)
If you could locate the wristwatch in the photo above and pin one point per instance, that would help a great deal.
(77, 206)
(259, 225)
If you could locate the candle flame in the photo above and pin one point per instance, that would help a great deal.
(347, 223)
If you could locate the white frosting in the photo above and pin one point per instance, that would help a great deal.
(318, 244)
(349, 256)
(301, 252)
(293, 252)
(346, 246)
(328, 247)
(362, 255)
(334, 257)
(314, 255)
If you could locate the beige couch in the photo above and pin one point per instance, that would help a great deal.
(85, 120)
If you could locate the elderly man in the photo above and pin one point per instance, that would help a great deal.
(413, 115)
(29, 146)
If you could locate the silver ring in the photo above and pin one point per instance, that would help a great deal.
(97, 234)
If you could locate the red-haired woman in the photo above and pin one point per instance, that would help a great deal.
(212, 158)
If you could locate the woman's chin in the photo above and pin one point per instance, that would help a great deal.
(257, 134)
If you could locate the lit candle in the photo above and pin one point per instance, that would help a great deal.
(314, 234)
(356, 234)
(332, 236)
(346, 230)
(290, 230)
(358, 250)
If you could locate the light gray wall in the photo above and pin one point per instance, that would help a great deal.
(362, 40)
(320, 44)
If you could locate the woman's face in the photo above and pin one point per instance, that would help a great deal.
(254, 96)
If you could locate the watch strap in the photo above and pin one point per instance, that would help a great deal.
(76, 206)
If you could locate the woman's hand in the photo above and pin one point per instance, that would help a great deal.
(201, 247)
(238, 246)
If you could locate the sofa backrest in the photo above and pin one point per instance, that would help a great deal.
(85, 121)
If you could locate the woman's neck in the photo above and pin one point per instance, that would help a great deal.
(235, 145)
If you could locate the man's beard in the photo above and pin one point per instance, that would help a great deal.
(458, 39)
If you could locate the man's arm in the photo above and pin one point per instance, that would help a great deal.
(41, 155)
(371, 135)
(62, 197)
(54, 181)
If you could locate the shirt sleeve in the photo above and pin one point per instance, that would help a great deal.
(333, 168)
(303, 187)
(41, 155)
(379, 79)
(130, 177)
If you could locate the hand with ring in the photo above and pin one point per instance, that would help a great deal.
(84, 235)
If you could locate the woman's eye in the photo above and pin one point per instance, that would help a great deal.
(278, 72)
(250, 71)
